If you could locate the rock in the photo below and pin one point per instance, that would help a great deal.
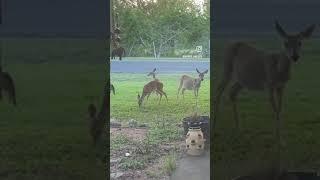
(114, 161)
(143, 125)
(114, 124)
(133, 123)
(116, 175)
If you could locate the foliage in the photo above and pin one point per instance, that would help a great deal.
(156, 28)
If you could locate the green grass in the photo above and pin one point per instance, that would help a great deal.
(46, 136)
(124, 105)
(162, 119)
(253, 147)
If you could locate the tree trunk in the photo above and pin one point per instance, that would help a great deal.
(154, 50)
(131, 47)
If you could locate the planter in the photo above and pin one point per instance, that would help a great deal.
(199, 121)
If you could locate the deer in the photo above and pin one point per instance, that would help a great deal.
(153, 74)
(7, 85)
(189, 83)
(149, 88)
(258, 70)
(98, 121)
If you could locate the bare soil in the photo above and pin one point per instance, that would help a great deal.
(153, 167)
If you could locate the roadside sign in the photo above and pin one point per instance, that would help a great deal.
(199, 49)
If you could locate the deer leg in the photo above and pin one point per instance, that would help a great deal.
(279, 93)
(178, 91)
(276, 102)
(165, 95)
(234, 91)
(148, 96)
(182, 92)
(160, 95)
(216, 104)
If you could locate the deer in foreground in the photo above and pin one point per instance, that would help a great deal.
(149, 88)
(253, 69)
(189, 83)
(98, 121)
(7, 85)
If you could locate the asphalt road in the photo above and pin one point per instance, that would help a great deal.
(163, 65)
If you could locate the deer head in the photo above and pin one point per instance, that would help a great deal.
(201, 74)
(152, 73)
(293, 42)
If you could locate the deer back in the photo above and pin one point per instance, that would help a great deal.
(151, 86)
(188, 82)
(254, 68)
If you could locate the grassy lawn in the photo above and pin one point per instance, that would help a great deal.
(163, 119)
(46, 136)
(236, 155)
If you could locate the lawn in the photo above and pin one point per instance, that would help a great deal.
(237, 154)
(162, 119)
(46, 136)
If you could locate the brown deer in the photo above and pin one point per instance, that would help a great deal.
(253, 69)
(98, 122)
(189, 83)
(7, 85)
(149, 88)
(153, 74)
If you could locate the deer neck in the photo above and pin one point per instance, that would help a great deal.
(282, 66)
(196, 82)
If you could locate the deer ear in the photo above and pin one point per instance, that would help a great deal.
(197, 70)
(206, 71)
(280, 30)
(308, 32)
(154, 70)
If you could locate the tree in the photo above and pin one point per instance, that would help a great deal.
(157, 27)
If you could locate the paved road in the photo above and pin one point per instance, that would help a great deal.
(193, 168)
(163, 66)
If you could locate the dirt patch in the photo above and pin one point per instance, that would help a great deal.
(136, 159)
(131, 133)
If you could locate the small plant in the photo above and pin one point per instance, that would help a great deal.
(170, 163)
(119, 142)
(130, 163)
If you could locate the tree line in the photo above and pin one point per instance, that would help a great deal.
(162, 28)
